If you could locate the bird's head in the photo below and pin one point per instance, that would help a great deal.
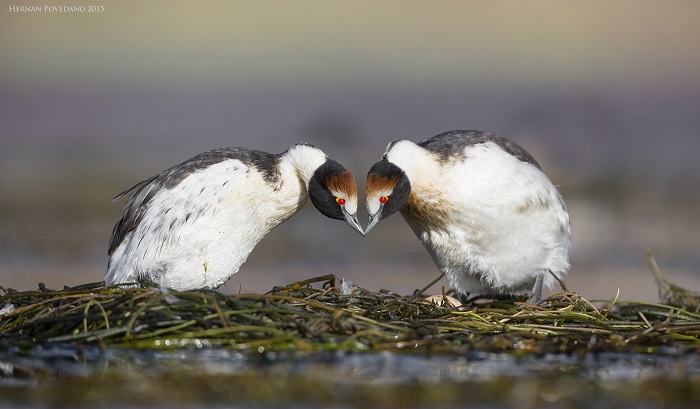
(387, 190)
(333, 192)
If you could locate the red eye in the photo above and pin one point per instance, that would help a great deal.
(340, 200)
(383, 199)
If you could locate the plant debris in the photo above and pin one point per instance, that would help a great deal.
(315, 315)
(670, 293)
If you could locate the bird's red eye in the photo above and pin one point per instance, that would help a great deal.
(340, 200)
(383, 199)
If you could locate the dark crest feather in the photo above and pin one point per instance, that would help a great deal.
(320, 192)
(386, 175)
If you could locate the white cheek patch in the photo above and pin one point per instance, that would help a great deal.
(373, 203)
(351, 206)
(373, 206)
(350, 203)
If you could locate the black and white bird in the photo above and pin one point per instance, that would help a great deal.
(192, 226)
(491, 220)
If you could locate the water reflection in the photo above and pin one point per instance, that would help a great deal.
(378, 368)
(207, 376)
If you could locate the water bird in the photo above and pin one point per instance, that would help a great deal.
(491, 220)
(193, 225)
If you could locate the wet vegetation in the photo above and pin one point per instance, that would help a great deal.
(315, 315)
(325, 315)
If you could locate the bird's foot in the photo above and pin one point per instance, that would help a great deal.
(536, 295)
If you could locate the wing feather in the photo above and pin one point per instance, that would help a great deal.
(143, 192)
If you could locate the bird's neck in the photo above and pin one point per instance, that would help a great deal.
(303, 160)
(411, 158)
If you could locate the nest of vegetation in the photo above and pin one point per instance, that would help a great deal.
(315, 315)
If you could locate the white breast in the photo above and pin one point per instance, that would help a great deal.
(499, 222)
(199, 233)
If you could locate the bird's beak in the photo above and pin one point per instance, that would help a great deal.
(373, 219)
(352, 221)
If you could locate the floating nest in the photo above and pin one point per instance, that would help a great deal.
(325, 314)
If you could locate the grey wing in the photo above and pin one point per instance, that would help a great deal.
(134, 209)
(144, 191)
(452, 143)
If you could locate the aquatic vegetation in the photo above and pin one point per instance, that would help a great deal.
(316, 315)
(671, 293)
(293, 347)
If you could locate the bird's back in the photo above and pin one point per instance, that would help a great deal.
(142, 192)
(195, 223)
(453, 143)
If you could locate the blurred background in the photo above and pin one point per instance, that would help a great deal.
(606, 95)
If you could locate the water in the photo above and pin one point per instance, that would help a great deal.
(64, 361)
(202, 376)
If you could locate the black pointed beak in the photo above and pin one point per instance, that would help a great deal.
(351, 219)
(373, 219)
